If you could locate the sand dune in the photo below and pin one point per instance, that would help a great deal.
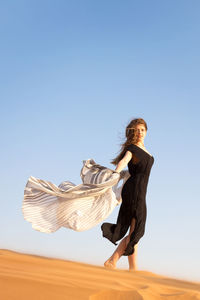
(38, 278)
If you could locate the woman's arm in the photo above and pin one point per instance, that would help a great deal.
(123, 162)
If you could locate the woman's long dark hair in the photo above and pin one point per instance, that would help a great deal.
(131, 138)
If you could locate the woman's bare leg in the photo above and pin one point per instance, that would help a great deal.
(132, 260)
(132, 257)
(112, 261)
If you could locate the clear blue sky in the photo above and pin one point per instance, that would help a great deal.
(73, 74)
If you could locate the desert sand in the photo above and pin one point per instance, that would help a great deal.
(31, 277)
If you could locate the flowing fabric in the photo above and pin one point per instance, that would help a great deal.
(79, 207)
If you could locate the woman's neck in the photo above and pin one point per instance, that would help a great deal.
(140, 144)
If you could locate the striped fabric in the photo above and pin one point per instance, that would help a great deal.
(79, 207)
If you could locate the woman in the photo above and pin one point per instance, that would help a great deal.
(132, 213)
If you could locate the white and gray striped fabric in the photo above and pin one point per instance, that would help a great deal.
(79, 207)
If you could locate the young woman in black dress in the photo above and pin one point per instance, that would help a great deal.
(132, 213)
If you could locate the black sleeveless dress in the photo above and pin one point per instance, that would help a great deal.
(133, 201)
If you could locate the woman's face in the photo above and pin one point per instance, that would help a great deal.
(140, 132)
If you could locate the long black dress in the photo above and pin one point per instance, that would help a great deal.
(133, 200)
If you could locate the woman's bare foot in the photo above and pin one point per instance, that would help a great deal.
(110, 264)
(132, 267)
